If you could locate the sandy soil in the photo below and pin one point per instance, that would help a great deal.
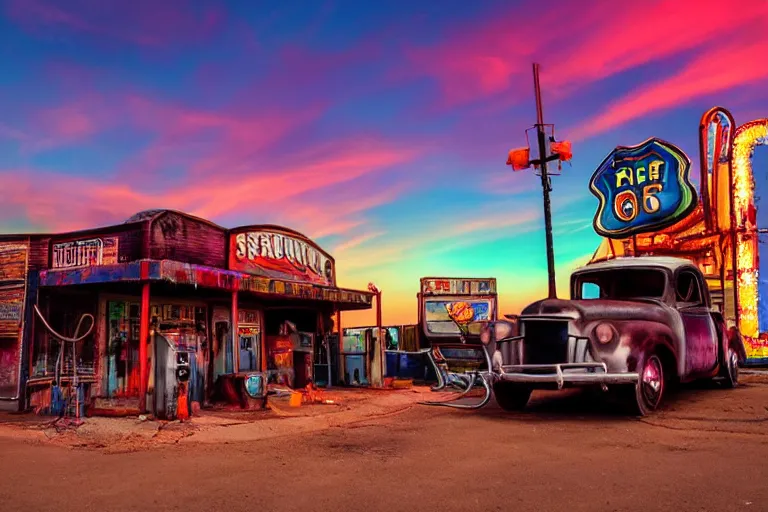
(118, 435)
(707, 450)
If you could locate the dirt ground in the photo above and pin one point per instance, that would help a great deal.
(706, 451)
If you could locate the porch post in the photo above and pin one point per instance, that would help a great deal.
(263, 343)
(235, 337)
(381, 337)
(143, 342)
(341, 366)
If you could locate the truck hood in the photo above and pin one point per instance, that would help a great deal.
(588, 310)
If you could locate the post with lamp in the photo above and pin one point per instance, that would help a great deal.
(379, 335)
(520, 159)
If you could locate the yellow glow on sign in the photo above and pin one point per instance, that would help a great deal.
(747, 137)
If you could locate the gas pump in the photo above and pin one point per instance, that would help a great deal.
(172, 373)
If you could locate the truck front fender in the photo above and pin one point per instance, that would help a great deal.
(637, 339)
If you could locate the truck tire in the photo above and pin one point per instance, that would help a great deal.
(646, 396)
(731, 369)
(511, 396)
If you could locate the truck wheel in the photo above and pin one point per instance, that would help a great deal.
(649, 391)
(731, 373)
(511, 396)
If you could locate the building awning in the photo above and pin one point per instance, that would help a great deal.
(205, 277)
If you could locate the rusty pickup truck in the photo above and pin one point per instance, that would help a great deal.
(636, 325)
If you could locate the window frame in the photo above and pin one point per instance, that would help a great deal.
(665, 272)
(697, 304)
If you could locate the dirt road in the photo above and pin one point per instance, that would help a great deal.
(707, 451)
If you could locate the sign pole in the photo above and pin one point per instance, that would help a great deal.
(545, 185)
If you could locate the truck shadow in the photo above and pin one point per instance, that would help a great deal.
(595, 405)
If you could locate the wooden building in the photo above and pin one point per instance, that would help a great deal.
(235, 301)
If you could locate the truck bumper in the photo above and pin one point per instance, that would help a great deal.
(564, 375)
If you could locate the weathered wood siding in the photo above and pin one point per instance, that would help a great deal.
(177, 237)
(39, 253)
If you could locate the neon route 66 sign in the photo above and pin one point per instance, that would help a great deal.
(642, 189)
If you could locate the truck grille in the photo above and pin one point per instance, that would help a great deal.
(545, 342)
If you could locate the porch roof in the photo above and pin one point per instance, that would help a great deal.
(180, 273)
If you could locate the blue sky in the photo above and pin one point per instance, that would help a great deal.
(378, 128)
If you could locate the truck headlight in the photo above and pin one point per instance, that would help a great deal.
(605, 333)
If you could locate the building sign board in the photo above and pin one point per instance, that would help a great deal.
(450, 286)
(84, 253)
(272, 253)
(642, 189)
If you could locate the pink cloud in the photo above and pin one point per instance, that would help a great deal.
(731, 66)
(71, 122)
(278, 194)
(207, 142)
(357, 241)
(494, 56)
(342, 209)
(271, 188)
(576, 44)
(139, 22)
(203, 142)
(68, 122)
(676, 26)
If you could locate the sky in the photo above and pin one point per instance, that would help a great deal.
(378, 129)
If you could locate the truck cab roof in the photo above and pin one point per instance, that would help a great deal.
(667, 262)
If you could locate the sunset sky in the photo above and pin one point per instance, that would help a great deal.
(379, 129)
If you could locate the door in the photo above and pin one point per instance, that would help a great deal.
(250, 348)
(123, 349)
(222, 342)
(700, 333)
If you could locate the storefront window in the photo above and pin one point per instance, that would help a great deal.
(354, 341)
(391, 338)
(63, 313)
(123, 349)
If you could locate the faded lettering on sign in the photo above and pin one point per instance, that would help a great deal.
(449, 286)
(85, 253)
(281, 253)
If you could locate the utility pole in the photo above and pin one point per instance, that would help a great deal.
(520, 159)
(545, 184)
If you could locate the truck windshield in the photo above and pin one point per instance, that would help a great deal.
(620, 284)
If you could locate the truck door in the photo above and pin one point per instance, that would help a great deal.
(700, 334)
